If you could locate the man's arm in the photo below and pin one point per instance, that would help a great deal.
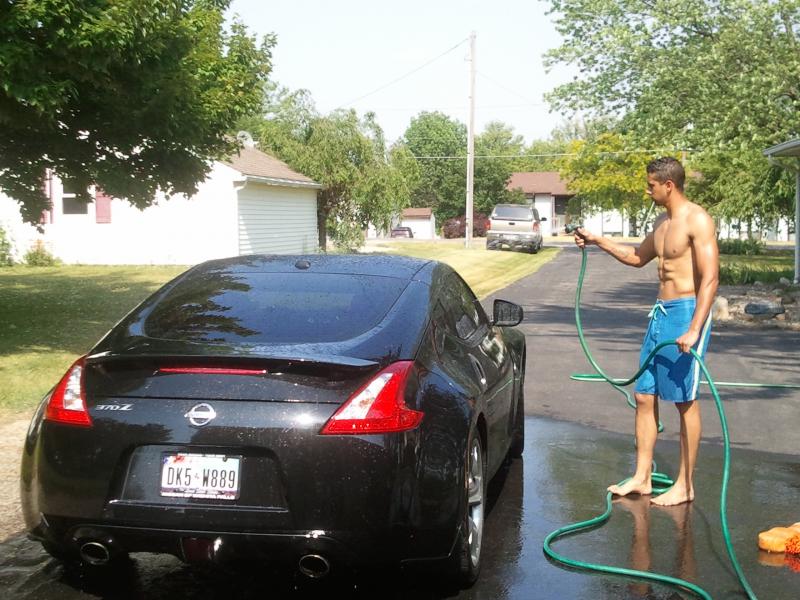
(632, 256)
(704, 242)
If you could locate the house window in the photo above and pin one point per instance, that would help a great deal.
(70, 205)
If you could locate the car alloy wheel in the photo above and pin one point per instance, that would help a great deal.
(476, 492)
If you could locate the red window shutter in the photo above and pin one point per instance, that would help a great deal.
(102, 206)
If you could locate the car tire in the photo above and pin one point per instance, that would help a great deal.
(518, 436)
(468, 549)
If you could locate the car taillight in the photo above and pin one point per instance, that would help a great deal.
(488, 225)
(68, 401)
(378, 406)
(535, 226)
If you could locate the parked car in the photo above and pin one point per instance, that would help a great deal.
(404, 232)
(322, 410)
(515, 226)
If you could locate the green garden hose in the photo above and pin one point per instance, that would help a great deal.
(658, 479)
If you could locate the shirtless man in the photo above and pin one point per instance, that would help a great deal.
(684, 240)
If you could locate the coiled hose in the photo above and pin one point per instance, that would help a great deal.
(660, 481)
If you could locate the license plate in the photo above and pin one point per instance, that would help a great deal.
(508, 236)
(200, 476)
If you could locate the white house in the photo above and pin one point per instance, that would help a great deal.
(422, 222)
(549, 195)
(252, 203)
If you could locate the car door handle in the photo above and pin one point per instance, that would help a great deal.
(476, 365)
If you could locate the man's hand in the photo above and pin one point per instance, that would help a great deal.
(687, 340)
(583, 237)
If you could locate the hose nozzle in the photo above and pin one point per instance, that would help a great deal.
(573, 227)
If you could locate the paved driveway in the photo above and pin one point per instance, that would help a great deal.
(615, 303)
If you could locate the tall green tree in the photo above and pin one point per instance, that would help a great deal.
(716, 77)
(494, 147)
(605, 176)
(133, 95)
(364, 183)
(439, 145)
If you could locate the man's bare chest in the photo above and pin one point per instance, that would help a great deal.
(672, 240)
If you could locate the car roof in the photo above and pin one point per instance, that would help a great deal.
(383, 265)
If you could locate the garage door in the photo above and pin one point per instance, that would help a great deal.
(277, 220)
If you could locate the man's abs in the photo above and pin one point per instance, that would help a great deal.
(676, 277)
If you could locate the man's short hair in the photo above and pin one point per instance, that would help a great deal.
(666, 169)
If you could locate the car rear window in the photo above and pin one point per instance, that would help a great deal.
(519, 213)
(282, 308)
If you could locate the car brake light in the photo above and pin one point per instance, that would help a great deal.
(67, 403)
(535, 226)
(378, 406)
(211, 371)
(488, 225)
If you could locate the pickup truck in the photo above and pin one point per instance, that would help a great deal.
(514, 226)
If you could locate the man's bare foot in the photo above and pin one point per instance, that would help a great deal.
(677, 494)
(632, 486)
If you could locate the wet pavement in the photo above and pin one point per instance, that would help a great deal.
(561, 479)
(579, 439)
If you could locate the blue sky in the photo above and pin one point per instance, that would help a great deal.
(342, 50)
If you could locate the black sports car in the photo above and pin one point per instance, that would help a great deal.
(324, 410)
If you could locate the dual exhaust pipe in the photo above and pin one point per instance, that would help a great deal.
(101, 550)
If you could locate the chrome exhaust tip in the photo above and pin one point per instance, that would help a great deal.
(314, 566)
(95, 554)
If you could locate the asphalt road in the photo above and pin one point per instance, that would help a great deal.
(615, 302)
(578, 441)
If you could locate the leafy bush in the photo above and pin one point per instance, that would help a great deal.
(748, 247)
(6, 258)
(457, 226)
(744, 274)
(38, 256)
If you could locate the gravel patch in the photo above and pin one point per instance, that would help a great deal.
(12, 438)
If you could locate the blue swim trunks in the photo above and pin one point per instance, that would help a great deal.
(672, 375)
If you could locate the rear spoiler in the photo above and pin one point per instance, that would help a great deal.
(285, 361)
(246, 359)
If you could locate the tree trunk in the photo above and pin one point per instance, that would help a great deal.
(322, 226)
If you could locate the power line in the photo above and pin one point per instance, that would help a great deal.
(384, 86)
(508, 89)
(550, 155)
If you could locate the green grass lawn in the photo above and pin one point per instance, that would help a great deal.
(768, 267)
(485, 271)
(51, 315)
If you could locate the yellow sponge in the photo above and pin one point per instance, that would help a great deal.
(774, 540)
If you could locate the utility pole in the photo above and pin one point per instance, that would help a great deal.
(470, 139)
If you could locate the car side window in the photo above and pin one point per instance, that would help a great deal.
(466, 315)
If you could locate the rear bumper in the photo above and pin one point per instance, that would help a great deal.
(363, 499)
(514, 240)
(348, 549)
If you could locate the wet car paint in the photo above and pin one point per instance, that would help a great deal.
(561, 479)
(345, 498)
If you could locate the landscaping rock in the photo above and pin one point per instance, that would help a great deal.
(764, 307)
(785, 282)
(720, 310)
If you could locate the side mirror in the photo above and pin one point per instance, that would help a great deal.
(506, 314)
(543, 219)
